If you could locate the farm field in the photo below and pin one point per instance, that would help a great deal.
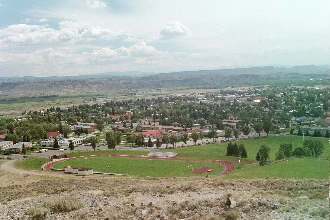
(141, 167)
(297, 168)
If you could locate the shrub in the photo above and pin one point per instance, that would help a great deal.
(231, 216)
(298, 152)
(64, 204)
(37, 213)
(279, 155)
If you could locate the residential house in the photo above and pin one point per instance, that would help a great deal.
(5, 144)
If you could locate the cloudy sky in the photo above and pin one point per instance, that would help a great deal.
(71, 37)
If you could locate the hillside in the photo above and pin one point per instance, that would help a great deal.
(105, 83)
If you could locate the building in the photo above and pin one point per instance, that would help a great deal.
(54, 134)
(47, 143)
(18, 147)
(5, 145)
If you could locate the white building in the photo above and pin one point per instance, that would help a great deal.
(5, 145)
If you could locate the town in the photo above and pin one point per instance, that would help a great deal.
(174, 121)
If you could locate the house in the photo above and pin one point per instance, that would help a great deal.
(3, 137)
(5, 144)
(47, 142)
(85, 127)
(18, 147)
(54, 134)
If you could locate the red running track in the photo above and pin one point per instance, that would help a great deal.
(228, 165)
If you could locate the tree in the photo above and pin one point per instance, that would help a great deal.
(246, 130)
(150, 144)
(139, 140)
(212, 134)
(23, 149)
(236, 133)
(111, 140)
(117, 137)
(93, 141)
(263, 155)
(291, 131)
(313, 148)
(185, 138)
(165, 140)
(71, 145)
(228, 132)
(286, 149)
(267, 125)
(300, 133)
(131, 139)
(100, 125)
(279, 155)
(327, 134)
(257, 127)
(242, 151)
(233, 149)
(195, 137)
(173, 140)
(55, 145)
(158, 143)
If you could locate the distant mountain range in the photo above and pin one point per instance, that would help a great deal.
(103, 83)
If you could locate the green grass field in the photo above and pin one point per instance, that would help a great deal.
(31, 163)
(113, 152)
(298, 168)
(141, 167)
(218, 151)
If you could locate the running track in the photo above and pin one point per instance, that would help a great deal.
(228, 165)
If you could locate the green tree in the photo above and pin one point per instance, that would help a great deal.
(71, 145)
(131, 139)
(246, 130)
(228, 132)
(139, 140)
(242, 151)
(267, 125)
(195, 137)
(279, 155)
(263, 155)
(313, 148)
(327, 134)
(257, 127)
(286, 149)
(300, 133)
(158, 143)
(185, 138)
(55, 145)
(23, 149)
(165, 140)
(298, 152)
(173, 140)
(236, 133)
(150, 144)
(212, 134)
(93, 141)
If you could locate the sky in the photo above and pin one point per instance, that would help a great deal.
(73, 37)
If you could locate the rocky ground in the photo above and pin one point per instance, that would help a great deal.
(29, 195)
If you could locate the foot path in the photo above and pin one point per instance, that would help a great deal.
(228, 165)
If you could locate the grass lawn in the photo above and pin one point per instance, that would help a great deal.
(141, 167)
(31, 163)
(105, 152)
(298, 168)
(218, 151)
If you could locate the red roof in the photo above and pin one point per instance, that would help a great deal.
(151, 133)
(2, 136)
(53, 134)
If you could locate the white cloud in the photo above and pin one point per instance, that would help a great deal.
(19, 34)
(96, 4)
(42, 20)
(174, 30)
